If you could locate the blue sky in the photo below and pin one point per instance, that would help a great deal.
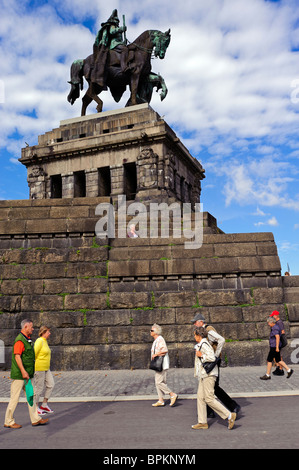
(232, 71)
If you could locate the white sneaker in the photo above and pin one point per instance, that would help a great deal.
(40, 412)
(46, 409)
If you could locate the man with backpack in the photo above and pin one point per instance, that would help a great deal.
(217, 341)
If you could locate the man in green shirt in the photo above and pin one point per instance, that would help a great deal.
(22, 368)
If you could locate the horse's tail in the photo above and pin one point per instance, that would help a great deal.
(76, 80)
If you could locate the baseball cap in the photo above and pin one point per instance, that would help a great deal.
(274, 313)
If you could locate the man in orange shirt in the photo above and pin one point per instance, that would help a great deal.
(22, 368)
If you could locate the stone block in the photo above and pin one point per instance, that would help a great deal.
(92, 285)
(28, 213)
(251, 353)
(293, 312)
(42, 302)
(235, 249)
(259, 263)
(108, 317)
(219, 298)
(205, 251)
(60, 320)
(11, 271)
(291, 294)
(130, 300)
(46, 226)
(263, 330)
(67, 357)
(290, 281)
(50, 256)
(260, 313)
(88, 254)
(7, 321)
(10, 303)
(266, 249)
(225, 315)
(268, 296)
(129, 268)
(60, 286)
(21, 286)
(215, 265)
(140, 356)
(94, 335)
(85, 301)
(175, 299)
(12, 226)
(82, 270)
(237, 331)
(45, 271)
(253, 282)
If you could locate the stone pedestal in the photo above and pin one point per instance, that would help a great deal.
(130, 151)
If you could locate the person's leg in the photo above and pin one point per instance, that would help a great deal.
(201, 403)
(210, 399)
(34, 417)
(162, 386)
(15, 390)
(159, 385)
(271, 356)
(49, 382)
(227, 401)
(38, 384)
(285, 366)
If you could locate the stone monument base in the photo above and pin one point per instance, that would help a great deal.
(101, 296)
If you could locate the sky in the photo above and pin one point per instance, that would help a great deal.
(232, 72)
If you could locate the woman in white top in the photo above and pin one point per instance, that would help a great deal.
(206, 383)
(159, 348)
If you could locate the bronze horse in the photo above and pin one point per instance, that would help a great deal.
(138, 74)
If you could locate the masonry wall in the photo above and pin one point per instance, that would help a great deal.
(100, 297)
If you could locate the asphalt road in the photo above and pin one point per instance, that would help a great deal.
(128, 426)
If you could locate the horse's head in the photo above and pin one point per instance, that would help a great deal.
(160, 42)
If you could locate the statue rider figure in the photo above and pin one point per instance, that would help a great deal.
(109, 37)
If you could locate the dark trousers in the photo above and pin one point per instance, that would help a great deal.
(225, 399)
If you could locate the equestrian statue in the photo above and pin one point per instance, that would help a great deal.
(114, 64)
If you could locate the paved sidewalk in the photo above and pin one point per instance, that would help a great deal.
(120, 385)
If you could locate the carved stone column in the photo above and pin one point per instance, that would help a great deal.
(67, 184)
(147, 172)
(92, 182)
(37, 183)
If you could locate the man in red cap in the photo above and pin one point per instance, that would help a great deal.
(275, 314)
(274, 353)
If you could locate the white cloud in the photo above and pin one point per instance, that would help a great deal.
(272, 222)
(259, 212)
(229, 69)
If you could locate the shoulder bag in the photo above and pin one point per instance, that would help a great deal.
(157, 363)
(283, 340)
(209, 366)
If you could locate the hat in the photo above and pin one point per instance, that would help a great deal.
(274, 313)
(198, 317)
